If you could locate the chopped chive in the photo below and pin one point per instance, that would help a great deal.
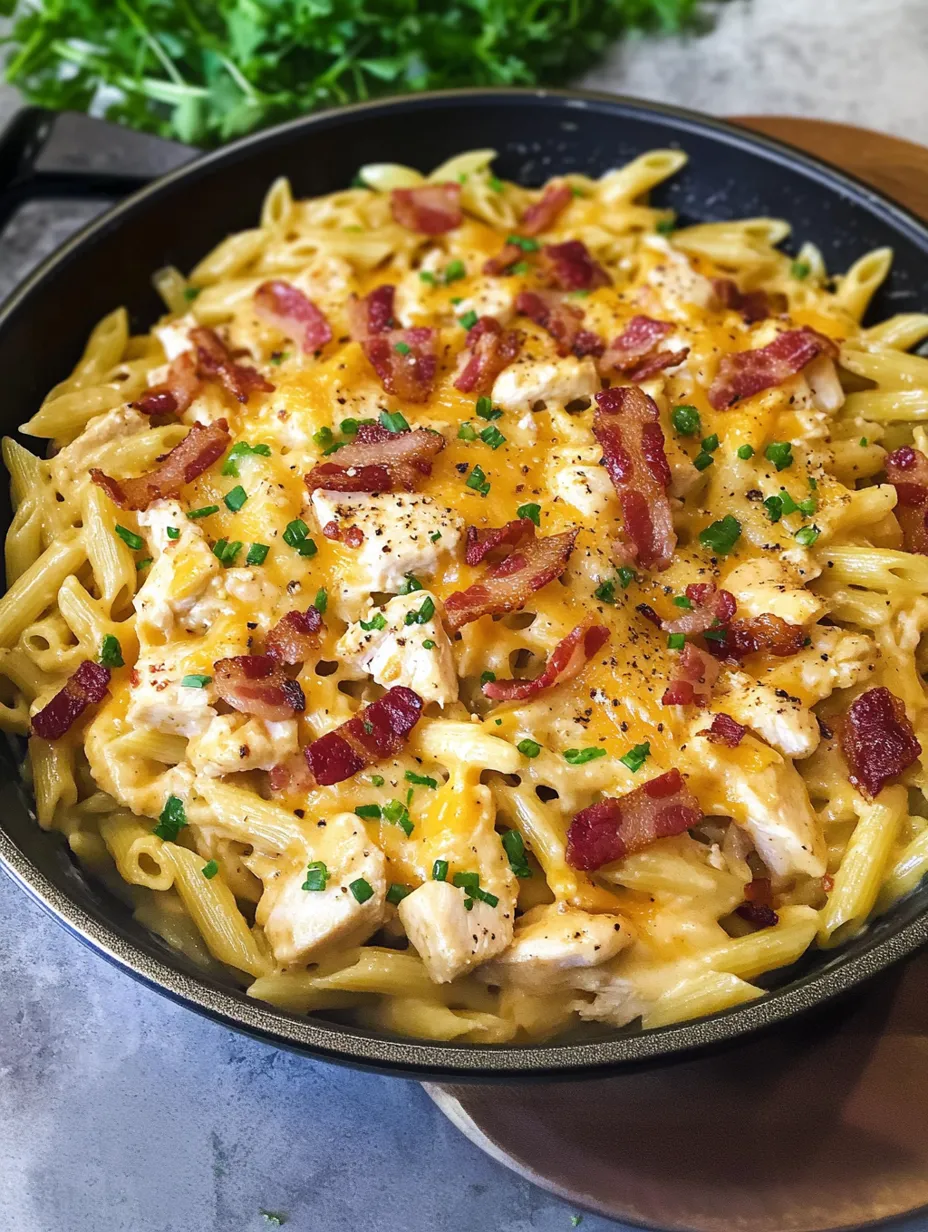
(142, 564)
(396, 812)
(402, 348)
(721, 536)
(316, 876)
(605, 591)
(203, 512)
(478, 481)
(487, 677)
(226, 552)
(420, 780)
(434, 536)
(428, 644)
(235, 499)
(468, 320)
(676, 641)
(172, 820)
(523, 242)
(323, 436)
(514, 847)
(711, 443)
(111, 652)
(863, 442)
(321, 601)
(210, 869)
(393, 421)
(440, 870)
(529, 748)
(807, 535)
(493, 437)
(454, 271)
(428, 277)
(486, 410)
(172, 532)
(242, 449)
(774, 507)
(130, 538)
(377, 780)
(780, 453)
(495, 183)
(800, 269)
(686, 420)
(467, 433)
(349, 427)
(369, 812)
(579, 757)
(635, 758)
(377, 621)
(410, 585)
(397, 892)
(683, 601)
(277, 358)
(196, 681)
(745, 452)
(521, 268)
(295, 536)
(703, 460)
(532, 511)
(190, 293)
(423, 615)
(665, 226)
(626, 576)
(257, 554)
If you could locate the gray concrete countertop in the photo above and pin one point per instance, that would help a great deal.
(121, 1110)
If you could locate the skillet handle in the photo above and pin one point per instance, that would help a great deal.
(66, 154)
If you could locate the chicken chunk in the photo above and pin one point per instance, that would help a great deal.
(72, 464)
(159, 700)
(553, 381)
(766, 585)
(777, 717)
(184, 585)
(575, 476)
(836, 659)
(552, 941)
(233, 743)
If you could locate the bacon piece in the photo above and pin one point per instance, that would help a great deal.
(696, 673)
(286, 308)
(215, 363)
(766, 632)
(257, 684)
(877, 740)
(635, 349)
(85, 687)
(203, 445)
(373, 314)
(614, 828)
(745, 373)
(757, 908)
(753, 305)
(506, 587)
(627, 426)
(175, 393)
(430, 209)
(711, 606)
(491, 350)
(508, 255)
(540, 216)
(550, 310)
(295, 636)
(566, 661)
(292, 775)
(480, 543)
(376, 732)
(907, 471)
(571, 267)
(405, 360)
(724, 730)
(391, 462)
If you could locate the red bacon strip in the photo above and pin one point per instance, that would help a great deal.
(379, 461)
(203, 445)
(257, 685)
(711, 606)
(295, 636)
(430, 209)
(373, 314)
(877, 740)
(907, 471)
(691, 685)
(85, 687)
(286, 308)
(571, 267)
(627, 426)
(175, 393)
(491, 350)
(405, 360)
(614, 828)
(562, 321)
(376, 732)
(215, 363)
(508, 255)
(745, 373)
(566, 661)
(724, 730)
(635, 351)
(766, 632)
(753, 305)
(542, 214)
(506, 587)
(480, 543)
(757, 908)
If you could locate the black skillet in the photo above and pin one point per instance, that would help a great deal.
(178, 218)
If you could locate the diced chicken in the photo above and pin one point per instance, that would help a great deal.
(233, 743)
(72, 464)
(409, 650)
(574, 475)
(449, 938)
(777, 717)
(301, 925)
(174, 336)
(404, 533)
(159, 700)
(489, 297)
(815, 396)
(185, 583)
(674, 279)
(555, 382)
(552, 941)
(766, 585)
(836, 659)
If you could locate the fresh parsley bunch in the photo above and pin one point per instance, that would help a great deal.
(203, 71)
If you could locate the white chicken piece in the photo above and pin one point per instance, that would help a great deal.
(185, 583)
(234, 742)
(490, 297)
(449, 938)
(300, 924)
(410, 648)
(160, 701)
(777, 717)
(815, 396)
(769, 585)
(72, 463)
(174, 336)
(404, 533)
(552, 941)
(836, 659)
(552, 381)
(574, 475)
(676, 282)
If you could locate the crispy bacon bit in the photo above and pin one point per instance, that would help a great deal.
(907, 471)
(540, 216)
(286, 308)
(745, 373)
(380, 462)
(215, 363)
(354, 537)
(292, 775)
(648, 612)
(203, 445)
(491, 350)
(571, 267)
(637, 348)
(627, 426)
(614, 828)
(753, 305)
(506, 587)
(373, 314)
(696, 673)
(711, 607)
(757, 908)
(724, 730)
(405, 360)
(295, 636)
(376, 732)
(480, 543)
(566, 661)
(331, 530)
(508, 255)
(175, 393)
(550, 310)
(85, 687)
(877, 740)
(257, 684)
(430, 209)
(766, 632)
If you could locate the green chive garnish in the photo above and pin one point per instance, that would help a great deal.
(130, 538)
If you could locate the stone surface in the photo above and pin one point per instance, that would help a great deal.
(121, 1110)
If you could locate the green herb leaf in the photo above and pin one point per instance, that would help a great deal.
(172, 820)
(478, 481)
(316, 876)
(529, 748)
(454, 271)
(686, 420)
(468, 320)
(514, 847)
(235, 499)
(196, 681)
(296, 536)
(172, 532)
(241, 449)
(466, 432)
(369, 812)
(377, 621)
(257, 554)
(626, 576)
(605, 592)
(361, 889)
(711, 443)
(111, 652)
(807, 535)
(210, 869)
(703, 460)
(579, 757)
(486, 410)
(203, 512)
(393, 421)
(780, 453)
(130, 538)
(635, 758)
(423, 614)
(321, 601)
(532, 511)
(493, 437)
(676, 641)
(440, 870)
(774, 507)
(721, 536)
(397, 892)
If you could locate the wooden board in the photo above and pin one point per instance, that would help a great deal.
(822, 1126)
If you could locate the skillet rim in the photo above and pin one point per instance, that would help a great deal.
(398, 1055)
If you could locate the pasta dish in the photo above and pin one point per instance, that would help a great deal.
(482, 613)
